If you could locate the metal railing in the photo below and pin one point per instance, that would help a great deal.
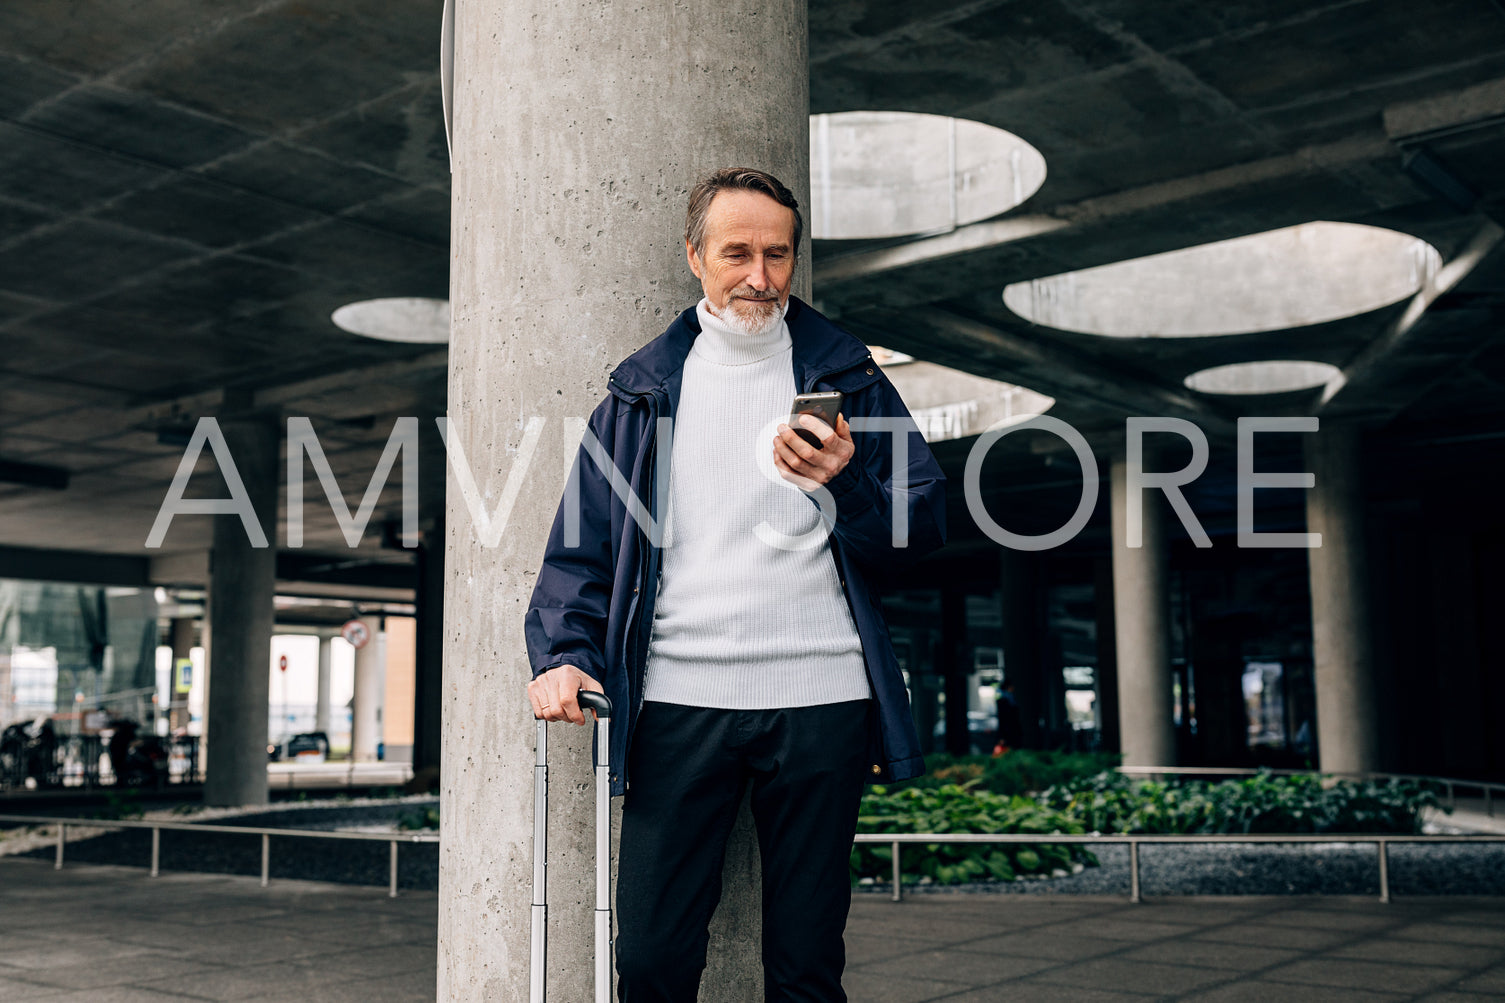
(1135, 841)
(266, 835)
(1450, 784)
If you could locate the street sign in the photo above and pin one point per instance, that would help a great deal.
(282, 662)
(356, 633)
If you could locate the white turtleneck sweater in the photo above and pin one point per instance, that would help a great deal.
(739, 623)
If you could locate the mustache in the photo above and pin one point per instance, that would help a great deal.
(749, 293)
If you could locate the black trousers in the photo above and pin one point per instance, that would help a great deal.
(689, 767)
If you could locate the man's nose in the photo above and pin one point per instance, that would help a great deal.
(758, 277)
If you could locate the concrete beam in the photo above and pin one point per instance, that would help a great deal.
(1423, 319)
(1479, 106)
(216, 403)
(74, 566)
(1000, 353)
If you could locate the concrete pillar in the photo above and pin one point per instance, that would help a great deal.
(925, 684)
(428, 684)
(954, 659)
(579, 129)
(241, 583)
(1141, 621)
(181, 635)
(1107, 655)
(321, 701)
(1019, 599)
(1342, 647)
(370, 690)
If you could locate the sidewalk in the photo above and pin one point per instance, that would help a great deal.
(113, 935)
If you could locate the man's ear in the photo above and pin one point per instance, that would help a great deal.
(692, 259)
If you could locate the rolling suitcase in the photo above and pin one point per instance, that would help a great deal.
(599, 703)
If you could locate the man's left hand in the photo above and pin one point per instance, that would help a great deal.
(806, 466)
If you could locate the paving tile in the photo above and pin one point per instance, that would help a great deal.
(863, 948)
(1475, 917)
(340, 934)
(1492, 981)
(391, 959)
(1451, 933)
(1373, 975)
(261, 982)
(1423, 952)
(1114, 974)
(72, 951)
(118, 994)
(1044, 944)
(958, 966)
(1118, 928)
(1299, 938)
(1211, 954)
(233, 912)
(1198, 913)
(20, 991)
(118, 970)
(935, 930)
(875, 988)
(1256, 991)
(1352, 921)
(1041, 992)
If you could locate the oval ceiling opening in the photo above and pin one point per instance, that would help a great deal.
(411, 319)
(1311, 273)
(1274, 377)
(950, 404)
(892, 173)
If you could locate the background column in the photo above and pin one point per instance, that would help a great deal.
(428, 684)
(1342, 649)
(1019, 599)
(579, 129)
(321, 700)
(1141, 621)
(954, 658)
(241, 583)
(181, 637)
(370, 688)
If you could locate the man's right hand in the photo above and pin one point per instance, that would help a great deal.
(552, 694)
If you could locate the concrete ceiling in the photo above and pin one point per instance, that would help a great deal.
(188, 190)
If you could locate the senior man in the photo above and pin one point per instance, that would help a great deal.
(743, 646)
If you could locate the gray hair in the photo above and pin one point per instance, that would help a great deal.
(737, 179)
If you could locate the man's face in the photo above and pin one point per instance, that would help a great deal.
(748, 261)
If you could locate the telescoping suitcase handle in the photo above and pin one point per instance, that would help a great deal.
(597, 702)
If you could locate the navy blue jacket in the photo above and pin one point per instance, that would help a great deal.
(592, 606)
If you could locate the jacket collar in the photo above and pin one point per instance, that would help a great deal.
(820, 348)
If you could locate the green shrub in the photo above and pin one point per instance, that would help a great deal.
(957, 808)
(1021, 771)
(421, 818)
(1263, 803)
(121, 805)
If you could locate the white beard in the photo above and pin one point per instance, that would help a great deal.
(755, 318)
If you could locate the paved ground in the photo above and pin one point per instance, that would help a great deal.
(112, 935)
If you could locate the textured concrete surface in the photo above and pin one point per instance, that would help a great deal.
(112, 935)
(238, 627)
(579, 131)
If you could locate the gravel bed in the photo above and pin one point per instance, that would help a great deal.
(1256, 869)
(341, 861)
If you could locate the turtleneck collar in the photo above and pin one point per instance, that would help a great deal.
(725, 345)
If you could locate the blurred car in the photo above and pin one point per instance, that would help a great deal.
(304, 747)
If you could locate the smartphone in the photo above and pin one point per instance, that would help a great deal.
(825, 406)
